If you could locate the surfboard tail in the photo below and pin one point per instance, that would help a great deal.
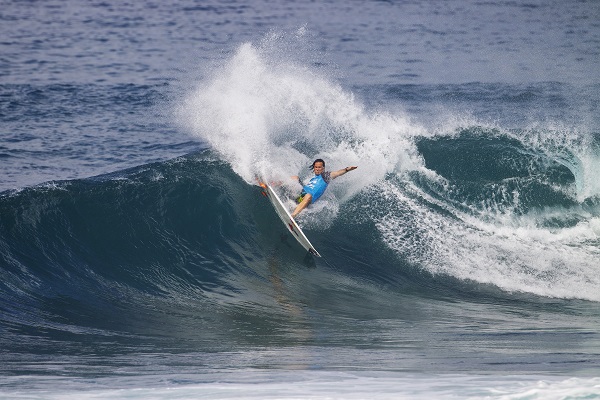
(314, 252)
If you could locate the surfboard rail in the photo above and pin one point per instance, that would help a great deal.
(287, 219)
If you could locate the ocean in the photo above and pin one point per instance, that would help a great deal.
(138, 258)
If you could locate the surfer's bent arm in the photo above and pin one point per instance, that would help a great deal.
(342, 171)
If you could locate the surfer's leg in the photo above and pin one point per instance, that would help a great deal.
(303, 204)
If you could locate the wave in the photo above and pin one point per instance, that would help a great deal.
(191, 233)
(516, 208)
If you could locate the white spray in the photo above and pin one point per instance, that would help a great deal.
(271, 118)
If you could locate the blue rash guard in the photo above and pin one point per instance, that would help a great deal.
(316, 186)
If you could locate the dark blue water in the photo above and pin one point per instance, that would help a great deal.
(139, 259)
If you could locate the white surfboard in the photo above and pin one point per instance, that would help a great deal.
(288, 221)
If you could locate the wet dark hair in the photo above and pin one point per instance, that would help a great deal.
(316, 161)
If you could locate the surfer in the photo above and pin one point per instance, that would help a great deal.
(317, 184)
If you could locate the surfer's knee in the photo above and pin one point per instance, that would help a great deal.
(306, 200)
(303, 198)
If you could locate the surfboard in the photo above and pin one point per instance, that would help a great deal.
(287, 219)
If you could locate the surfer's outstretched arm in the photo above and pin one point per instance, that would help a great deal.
(342, 171)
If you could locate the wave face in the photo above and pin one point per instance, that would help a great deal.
(117, 251)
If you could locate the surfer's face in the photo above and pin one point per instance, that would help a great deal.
(318, 168)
